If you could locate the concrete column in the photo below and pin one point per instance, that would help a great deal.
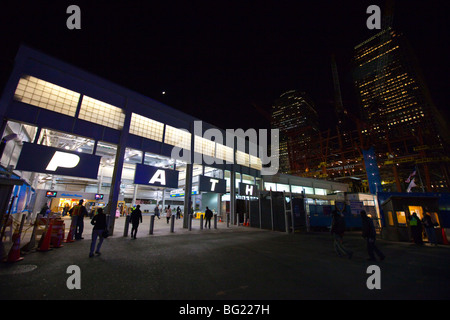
(133, 202)
(187, 195)
(117, 173)
(232, 195)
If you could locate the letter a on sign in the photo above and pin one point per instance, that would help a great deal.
(73, 281)
(159, 176)
(374, 21)
(374, 281)
(74, 21)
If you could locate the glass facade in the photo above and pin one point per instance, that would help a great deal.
(146, 127)
(102, 113)
(46, 95)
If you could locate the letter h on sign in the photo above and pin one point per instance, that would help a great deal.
(247, 189)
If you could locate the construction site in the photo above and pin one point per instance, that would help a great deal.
(396, 117)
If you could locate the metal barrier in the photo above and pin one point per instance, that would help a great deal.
(152, 224)
(190, 222)
(126, 226)
(172, 223)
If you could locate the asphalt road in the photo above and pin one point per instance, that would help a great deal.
(227, 264)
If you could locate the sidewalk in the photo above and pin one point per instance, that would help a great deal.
(237, 263)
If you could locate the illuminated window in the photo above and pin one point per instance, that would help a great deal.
(99, 112)
(390, 218)
(204, 146)
(224, 153)
(255, 162)
(242, 158)
(146, 127)
(46, 95)
(401, 217)
(177, 137)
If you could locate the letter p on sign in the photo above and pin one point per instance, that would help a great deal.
(63, 160)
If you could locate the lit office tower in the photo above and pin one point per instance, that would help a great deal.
(391, 90)
(401, 121)
(294, 115)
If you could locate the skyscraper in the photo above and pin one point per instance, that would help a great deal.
(392, 93)
(400, 118)
(294, 115)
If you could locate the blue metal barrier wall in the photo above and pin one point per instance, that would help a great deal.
(320, 217)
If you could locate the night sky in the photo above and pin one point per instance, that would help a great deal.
(222, 61)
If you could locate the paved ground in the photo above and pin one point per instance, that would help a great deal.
(226, 264)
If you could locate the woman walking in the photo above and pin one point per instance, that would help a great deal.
(99, 223)
(168, 213)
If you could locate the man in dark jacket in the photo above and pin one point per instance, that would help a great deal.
(78, 212)
(429, 228)
(208, 216)
(135, 217)
(337, 230)
(368, 233)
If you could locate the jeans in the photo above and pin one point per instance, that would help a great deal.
(95, 234)
(372, 248)
(431, 235)
(134, 228)
(338, 246)
(79, 228)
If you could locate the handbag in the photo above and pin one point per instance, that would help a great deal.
(105, 233)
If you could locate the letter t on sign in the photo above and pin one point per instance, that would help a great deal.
(213, 184)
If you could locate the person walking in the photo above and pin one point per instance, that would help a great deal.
(416, 228)
(368, 233)
(135, 218)
(99, 223)
(168, 213)
(157, 211)
(429, 228)
(337, 231)
(208, 216)
(178, 212)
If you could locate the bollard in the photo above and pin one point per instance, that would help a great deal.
(237, 219)
(215, 221)
(152, 223)
(172, 223)
(127, 225)
(201, 222)
(228, 220)
(190, 222)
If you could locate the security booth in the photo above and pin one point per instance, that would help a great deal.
(398, 209)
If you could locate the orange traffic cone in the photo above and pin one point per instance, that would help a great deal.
(14, 253)
(71, 232)
(45, 244)
(444, 237)
(57, 241)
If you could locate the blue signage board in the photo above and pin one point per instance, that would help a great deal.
(210, 184)
(155, 176)
(43, 159)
